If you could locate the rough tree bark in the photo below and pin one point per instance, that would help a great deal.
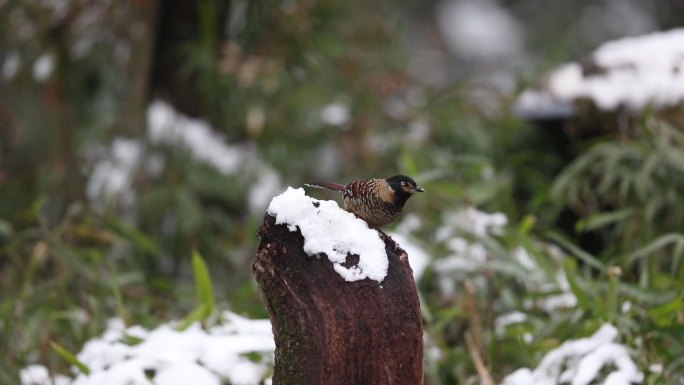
(333, 332)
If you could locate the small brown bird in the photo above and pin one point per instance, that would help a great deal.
(377, 201)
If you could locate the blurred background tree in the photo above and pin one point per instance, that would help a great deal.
(134, 132)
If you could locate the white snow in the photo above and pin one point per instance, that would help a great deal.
(409, 223)
(472, 221)
(113, 168)
(479, 29)
(11, 66)
(656, 368)
(266, 186)
(418, 258)
(460, 233)
(525, 259)
(635, 72)
(43, 67)
(39, 375)
(552, 303)
(335, 114)
(166, 126)
(186, 373)
(579, 362)
(328, 229)
(113, 175)
(465, 256)
(463, 234)
(514, 317)
(199, 356)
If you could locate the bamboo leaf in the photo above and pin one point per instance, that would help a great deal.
(196, 315)
(203, 284)
(203, 290)
(69, 357)
(571, 274)
(585, 257)
(599, 220)
(665, 315)
(657, 244)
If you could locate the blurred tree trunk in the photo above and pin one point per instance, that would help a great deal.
(181, 28)
(144, 20)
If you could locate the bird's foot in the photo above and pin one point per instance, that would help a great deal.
(386, 238)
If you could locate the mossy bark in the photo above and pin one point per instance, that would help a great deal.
(329, 331)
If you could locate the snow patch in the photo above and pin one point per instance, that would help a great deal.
(633, 72)
(418, 258)
(195, 355)
(328, 229)
(11, 66)
(514, 317)
(479, 29)
(43, 67)
(166, 126)
(464, 234)
(472, 221)
(579, 362)
(39, 375)
(335, 114)
(114, 168)
(112, 176)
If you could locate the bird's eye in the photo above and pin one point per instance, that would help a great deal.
(403, 184)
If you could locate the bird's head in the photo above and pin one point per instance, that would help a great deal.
(403, 187)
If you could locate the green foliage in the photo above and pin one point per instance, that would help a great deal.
(69, 357)
(626, 188)
(204, 290)
(68, 263)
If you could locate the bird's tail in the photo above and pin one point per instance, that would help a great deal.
(328, 186)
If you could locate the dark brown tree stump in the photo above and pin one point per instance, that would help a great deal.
(329, 331)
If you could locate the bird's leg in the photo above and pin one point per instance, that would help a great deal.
(383, 236)
(386, 238)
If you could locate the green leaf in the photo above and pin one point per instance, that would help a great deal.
(582, 297)
(137, 237)
(611, 306)
(585, 257)
(599, 220)
(527, 224)
(665, 315)
(203, 285)
(69, 357)
(204, 291)
(657, 244)
(197, 314)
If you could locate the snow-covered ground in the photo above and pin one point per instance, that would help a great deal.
(238, 351)
(581, 361)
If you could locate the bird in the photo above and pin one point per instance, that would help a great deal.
(379, 202)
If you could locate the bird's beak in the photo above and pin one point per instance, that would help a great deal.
(419, 189)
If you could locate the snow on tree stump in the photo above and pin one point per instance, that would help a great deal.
(340, 313)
